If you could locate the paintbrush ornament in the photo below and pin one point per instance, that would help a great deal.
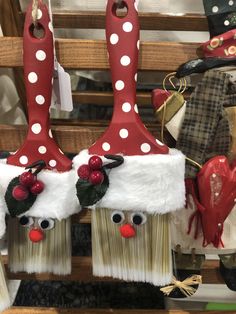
(130, 179)
(38, 179)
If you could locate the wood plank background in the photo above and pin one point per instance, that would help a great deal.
(92, 54)
(148, 20)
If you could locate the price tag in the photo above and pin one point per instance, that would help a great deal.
(61, 91)
(61, 95)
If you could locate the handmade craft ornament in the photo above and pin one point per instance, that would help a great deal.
(205, 133)
(131, 218)
(169, 107)
(41, 202)
(220, 50)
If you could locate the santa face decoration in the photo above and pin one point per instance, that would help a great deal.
(39, 204)
(127, 246)
(131, 202)
(39, 245)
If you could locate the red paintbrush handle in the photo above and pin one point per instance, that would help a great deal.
(38, 74)
(38, 68)
(126, 133)
(122, 36)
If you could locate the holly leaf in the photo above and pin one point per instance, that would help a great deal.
(89, 194)
(15, 207)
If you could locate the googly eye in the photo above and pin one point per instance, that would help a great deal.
(117, 217)
(138, 219)
(26, 221)
(46, 224)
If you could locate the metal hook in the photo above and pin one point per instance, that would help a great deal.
(182, 83)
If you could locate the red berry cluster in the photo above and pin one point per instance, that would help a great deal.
(28, 184)
(92, 172)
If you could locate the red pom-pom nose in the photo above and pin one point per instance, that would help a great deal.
(36, 235)
(127, 231)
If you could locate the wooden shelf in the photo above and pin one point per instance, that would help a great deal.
(82, 271)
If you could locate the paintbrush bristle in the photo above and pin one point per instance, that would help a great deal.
(51, 255)
(144, 258)
(5, 301)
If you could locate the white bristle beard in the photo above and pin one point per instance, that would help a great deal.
(51, 255)
(143, 258)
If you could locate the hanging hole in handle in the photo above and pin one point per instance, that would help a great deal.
(120, 9)
(37, 31)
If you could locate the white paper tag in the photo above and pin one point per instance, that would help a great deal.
(61, 94)
(61, 90)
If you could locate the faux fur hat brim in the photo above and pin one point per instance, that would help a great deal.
(150, 183)
(57, 201)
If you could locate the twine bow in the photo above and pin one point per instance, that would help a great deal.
(184, 286)
(35, 11)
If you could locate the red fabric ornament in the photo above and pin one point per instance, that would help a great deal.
(127, 231)
(215, 198)
(36, 235)
(223, 46)
(96, 177)
(20, 193)
(37, 187)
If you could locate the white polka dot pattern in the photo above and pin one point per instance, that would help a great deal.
(226, 23)
(127, 27)
(125, 60)
(23, 160)
(159, 142)
(215, 9)
(40, 100)
(50, 26)
(231, 2)
(119, 85)
(39, 14)
(114, 39)
(42, 150)
(40, 55)
(145, 148)
(124, 133)
(52, 163)
(36, 128)
(138, 44)
(106, 147)
(32, 77)
(126, 107)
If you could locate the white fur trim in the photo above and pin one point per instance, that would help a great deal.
(3, 212)
(179, 236)
(151, 183)
(57, 201)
